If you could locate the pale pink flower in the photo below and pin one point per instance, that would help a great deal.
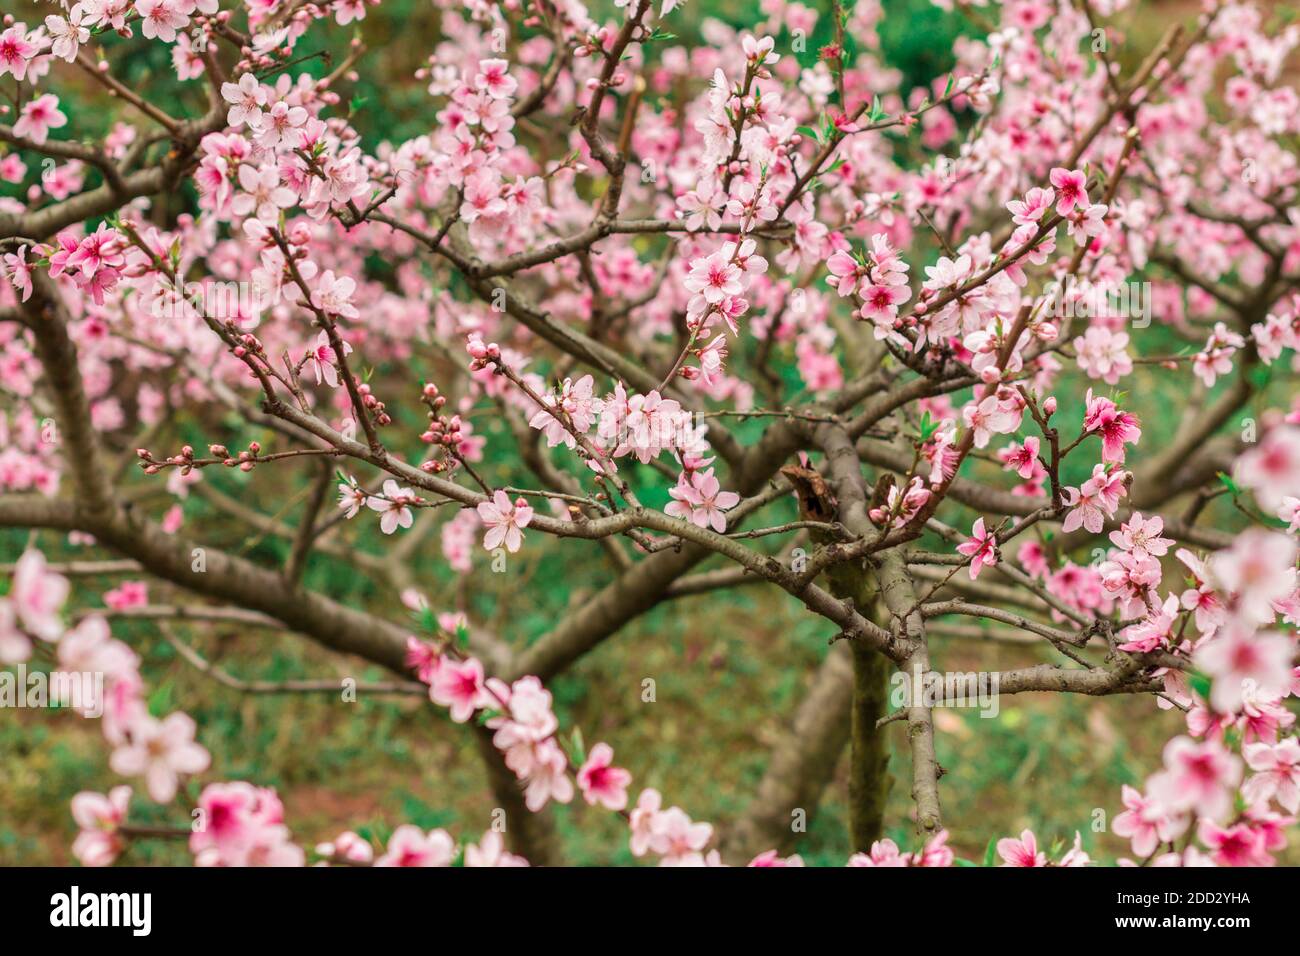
(678, 839)
(601, 782)
(1237, 845)
(1258, 569)
(1277, 773)
(714, 277)
(321, 360)
(642, 821)
(39, 117)
(411, 846)
(494, 77)
(1146, 822)
(491, 851)
(1115, 427)
(1103, 354)
(982, 548)
(987, 418)
(161, 18)
(264, 197)
(99, 841)
(701, 501)
(1141, 536)
(17, 50)
(160, 751)
(394, 505)
(67, 34)
(1198, 776)
(459, 687)
(351, 498)
(334, 294)
(1271, 469)
(1021, 852)
(1240, 659)
(347, 846)
(883, 853)
(505, 521)
(37, 596)
(1076, 855)
(247, 97)
(1095, 500)
(1071, 189)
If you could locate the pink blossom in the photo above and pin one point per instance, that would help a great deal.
(1239, 658)
(347, 846)
(1071, 189)
(642, 820)
(1258, 569)
(504, 521)
(1095, 500)
(161, 18)
(883, 853)
(411, 846)
(394, 506)
(1277, 773)
(602, 783)
(1272, 467)
(459, 686)
(39, 117)
(494, 77)
(17, 50)
(128, 594)
(982, 548)
(1200, 777)
(160, 751)
(99, 842)
(491, 851)
(1141, 536)
(714, 277)
(37, 596)
(1146, 822)
(1237, 845)
(321, 360)
(701, 501)
(247, 97)
(1021, 852)
(988, 417)
(1115, 427)
(1103, 354)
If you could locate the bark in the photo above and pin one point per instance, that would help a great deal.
(801, 765)
(869, 780)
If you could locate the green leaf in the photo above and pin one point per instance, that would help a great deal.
(577, 749)
(160, 701)
(1229, 484)
(989, 851)
(928, 427)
